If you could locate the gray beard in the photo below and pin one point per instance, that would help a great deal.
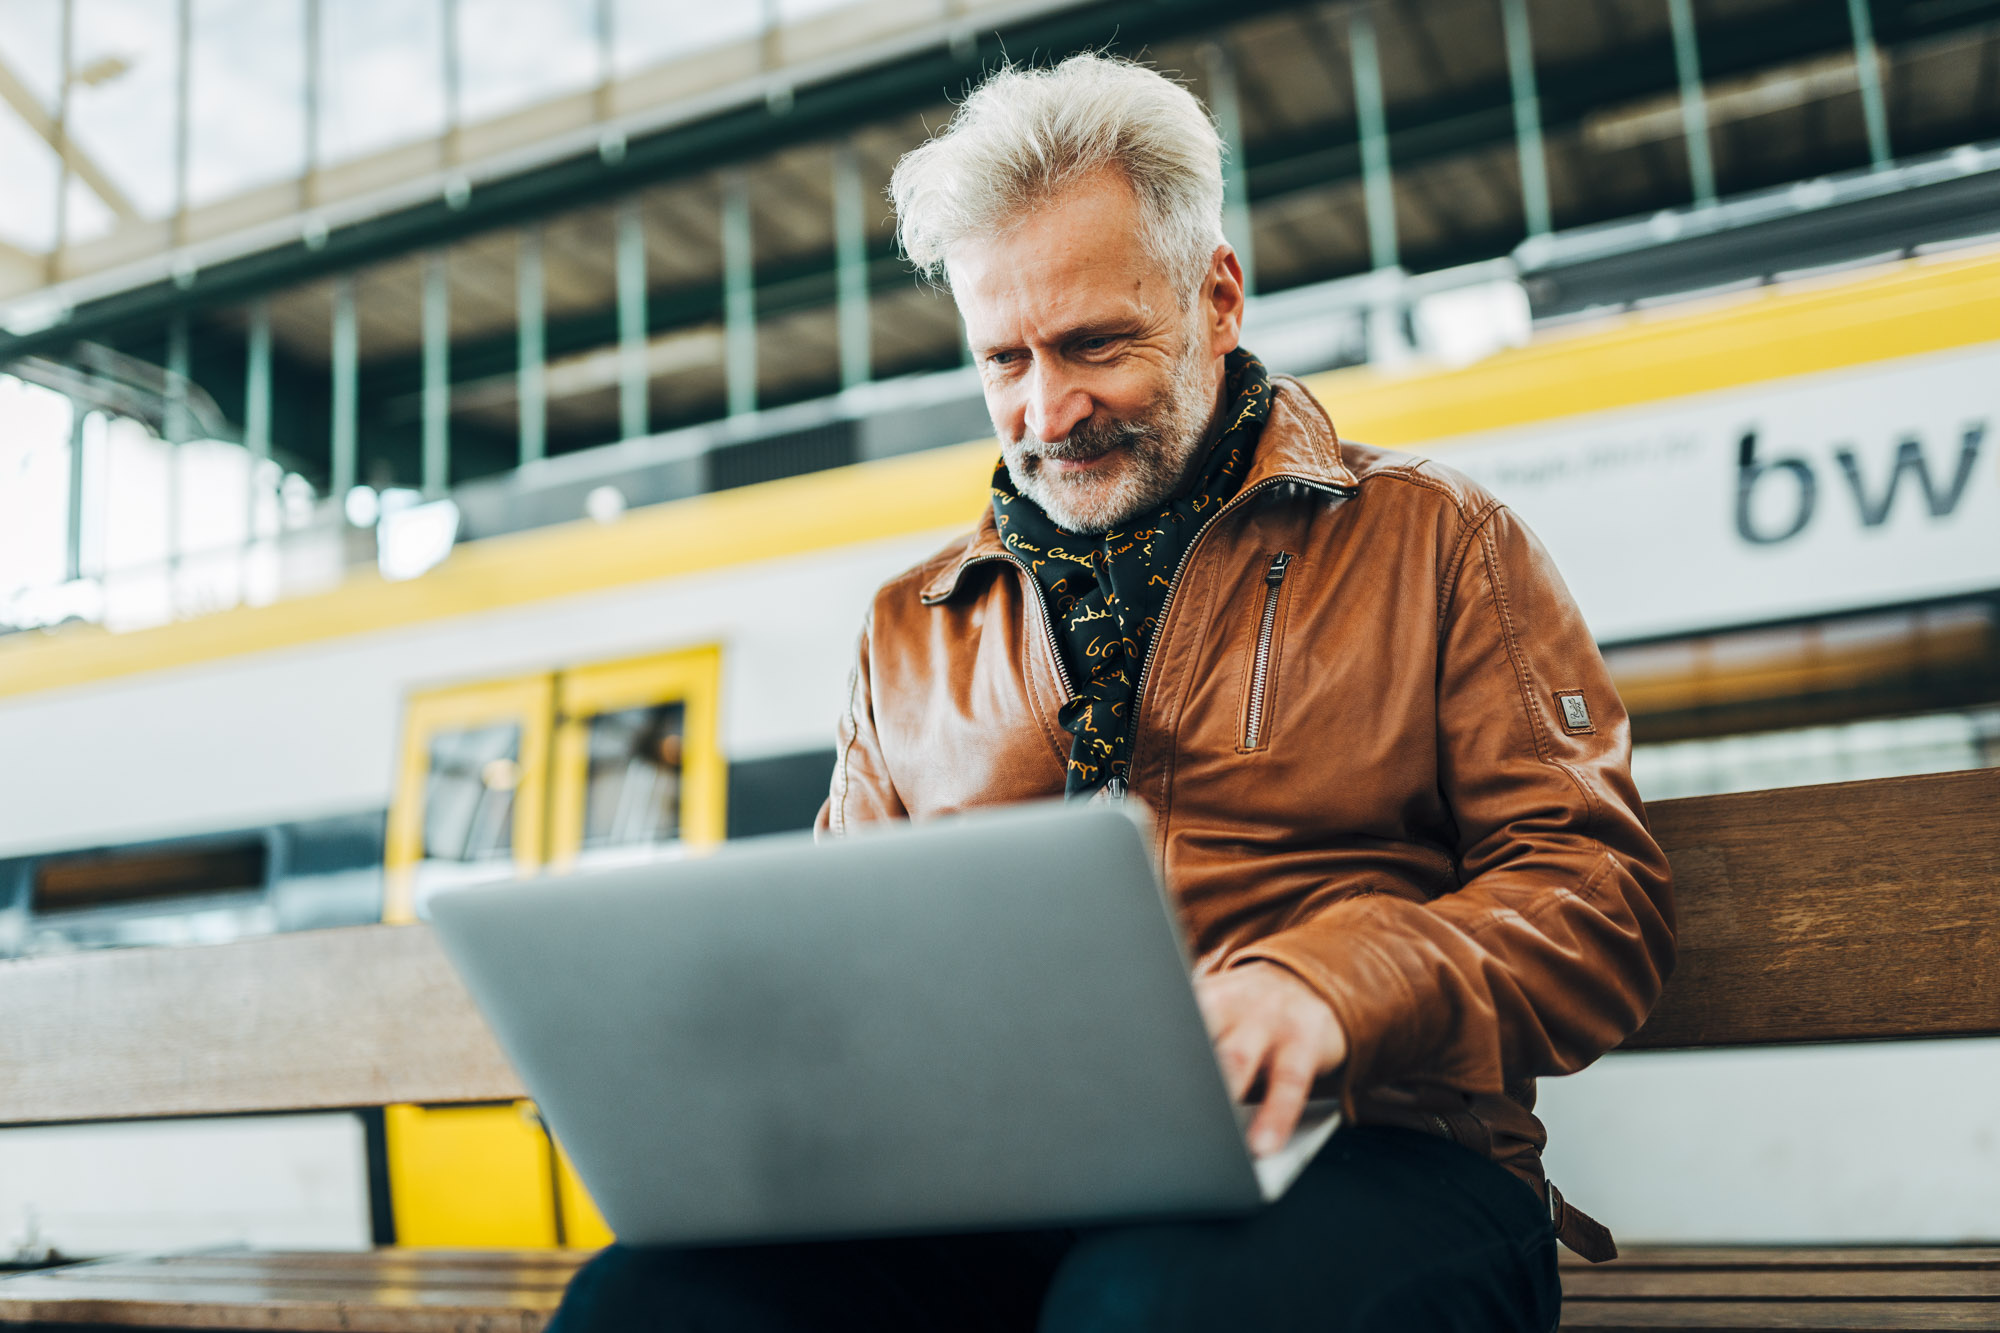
(1159, 448)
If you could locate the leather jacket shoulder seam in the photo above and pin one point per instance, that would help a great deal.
(1521, 680)
(1471, 520)
(1411, 474)
(1455, 565)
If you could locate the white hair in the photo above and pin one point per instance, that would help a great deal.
(1026, 135)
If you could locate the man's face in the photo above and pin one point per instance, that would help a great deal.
(1101, 384)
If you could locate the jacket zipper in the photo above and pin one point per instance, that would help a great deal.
(1260, 668)
(1173, 587)
(1048, 623)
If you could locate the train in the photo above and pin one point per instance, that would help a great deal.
(1779, 509)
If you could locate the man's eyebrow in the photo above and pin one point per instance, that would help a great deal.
(1103, 328)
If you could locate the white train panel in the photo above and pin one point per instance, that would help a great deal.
(308, 731)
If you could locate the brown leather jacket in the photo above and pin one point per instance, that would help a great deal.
(1400, 770)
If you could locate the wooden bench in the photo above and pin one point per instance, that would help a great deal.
(1840, 913)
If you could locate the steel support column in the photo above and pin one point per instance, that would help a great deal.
(1694, 104)
(346, 358)
(531, 343)
(1228, 111)
(67, 41)
(256, 408)
(632, 414)
(314, 59)
(177, 432)
(604, 26)
(850, 251)
(183, 42)
(437, 376)
(73, 530)
(1868, 69)
(739, 296)
(1378, 188)
(1527, 116)
(450, 73)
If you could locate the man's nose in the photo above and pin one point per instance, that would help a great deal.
(1055, 405)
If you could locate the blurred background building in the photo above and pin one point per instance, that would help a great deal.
(445, 437)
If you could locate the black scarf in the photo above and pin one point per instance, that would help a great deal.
(1104, 595)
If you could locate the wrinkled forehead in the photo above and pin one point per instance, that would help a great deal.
(1079, 257)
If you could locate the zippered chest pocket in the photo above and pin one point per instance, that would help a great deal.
(1264, 651)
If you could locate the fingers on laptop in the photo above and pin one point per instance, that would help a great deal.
(1287, 1083)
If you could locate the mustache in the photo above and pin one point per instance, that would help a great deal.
(1091, 439)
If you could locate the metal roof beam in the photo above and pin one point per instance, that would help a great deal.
(18, 95)
(1483, 117)
(816, 111)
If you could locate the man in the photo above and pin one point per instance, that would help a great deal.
(1388, 772)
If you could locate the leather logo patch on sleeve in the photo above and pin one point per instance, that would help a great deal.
(1576, 713)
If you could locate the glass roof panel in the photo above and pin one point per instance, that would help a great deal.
(31, 45)
(649, 33)
(792, 11)
(384, 80)
(28, 203)
(247, 84)
(516, 52)
(122, 103)
(88, 217)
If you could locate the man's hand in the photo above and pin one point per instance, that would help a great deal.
(1265, 1021)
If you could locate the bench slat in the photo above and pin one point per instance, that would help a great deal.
(1792, 1287)
(1814, 914)
(420, 1291)
(1734, 1257)
(358, 1016)
(1790, 1316)
(381, 1291)
(1788, 1284)
(1834, 913)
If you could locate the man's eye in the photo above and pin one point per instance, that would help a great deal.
(1002, 358)
(1103, 342)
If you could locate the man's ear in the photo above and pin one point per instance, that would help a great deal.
(1223, 301)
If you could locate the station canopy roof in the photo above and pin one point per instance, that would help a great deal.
(269, 149)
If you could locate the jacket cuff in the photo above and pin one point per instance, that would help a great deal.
(1341, 954)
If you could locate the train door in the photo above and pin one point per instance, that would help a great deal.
(597, 765)
(637, 775)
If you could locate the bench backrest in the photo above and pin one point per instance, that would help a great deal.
(1833, 913)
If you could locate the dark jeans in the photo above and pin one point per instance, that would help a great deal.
(1387, 1230)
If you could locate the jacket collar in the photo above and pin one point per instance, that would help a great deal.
(1298, 443)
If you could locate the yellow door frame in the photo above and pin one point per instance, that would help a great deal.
(490, 1175)
(691, 677)
(528, 702)
(469, 1175)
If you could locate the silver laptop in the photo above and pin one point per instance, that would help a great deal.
(970, 1024)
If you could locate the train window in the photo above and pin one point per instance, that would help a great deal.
(469, 804)
(469, 793)
(146, 874)
(632, 792)
(636, 770)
